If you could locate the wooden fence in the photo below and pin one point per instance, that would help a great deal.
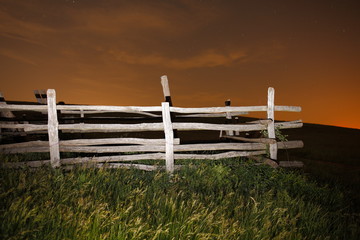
(166, 148)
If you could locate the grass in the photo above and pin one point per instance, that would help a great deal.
(209, 201)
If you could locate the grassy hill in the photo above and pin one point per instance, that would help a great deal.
(211, 201)
(329, 152)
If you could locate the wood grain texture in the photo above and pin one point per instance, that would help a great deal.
(271, 124)
(165, 86)
(53, 131)
(169, 137)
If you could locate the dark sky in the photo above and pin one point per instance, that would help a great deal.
(114, 53)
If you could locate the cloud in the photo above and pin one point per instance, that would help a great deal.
(115, 22)
(9, 54)
(209, 58)
(22, 29)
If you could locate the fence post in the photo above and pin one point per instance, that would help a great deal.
(53, 127)
(43, 96)
(237, 133)
(167, 96)
(6, 114)
(229, 118)
(169, 137)
(40, 96)
(271, 125)
(37, 96)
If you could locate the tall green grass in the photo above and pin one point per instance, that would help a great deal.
(209, 201)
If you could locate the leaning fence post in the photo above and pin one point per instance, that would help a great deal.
(169, 137)
(271, 125)
(53, 127)
(167, 96)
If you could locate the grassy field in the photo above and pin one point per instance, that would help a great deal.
(209, 201)
(228, 199)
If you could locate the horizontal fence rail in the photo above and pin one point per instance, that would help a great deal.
(129, 149)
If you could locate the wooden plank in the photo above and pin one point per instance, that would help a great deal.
(53, 129)
(219, 109)
(113, 149)
(113, 127)
(219, 146)
(129, 166)
(99, 112)
(158, 148)
(218, 156)
(126, 109)
(287, 108)
(152, 127)
(290, 124)
(217, 127)
(169, 137)
(82, 142)
(264, 160)
(85, 142)
(118, 158)
(13, 107)
(255, 140)
(261, 121)
(290, 144)
(136, 109)
(211, 115)
(271, 124)
(23, 126)
(291, 164)
(234, 109)
(181, 148)
(40, 108)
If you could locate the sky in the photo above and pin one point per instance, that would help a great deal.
(113, 52)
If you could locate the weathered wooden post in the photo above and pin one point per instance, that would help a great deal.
(43, 96)
(37, 96)
(53, 129)
(169, 137)
(40, 96)
(6, 114)
(271, 125)
(229, 118)
(237, 133)
(167, 96)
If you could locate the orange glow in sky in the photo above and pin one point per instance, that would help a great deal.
(113, 52)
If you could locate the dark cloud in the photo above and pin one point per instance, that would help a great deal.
(114, 52)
